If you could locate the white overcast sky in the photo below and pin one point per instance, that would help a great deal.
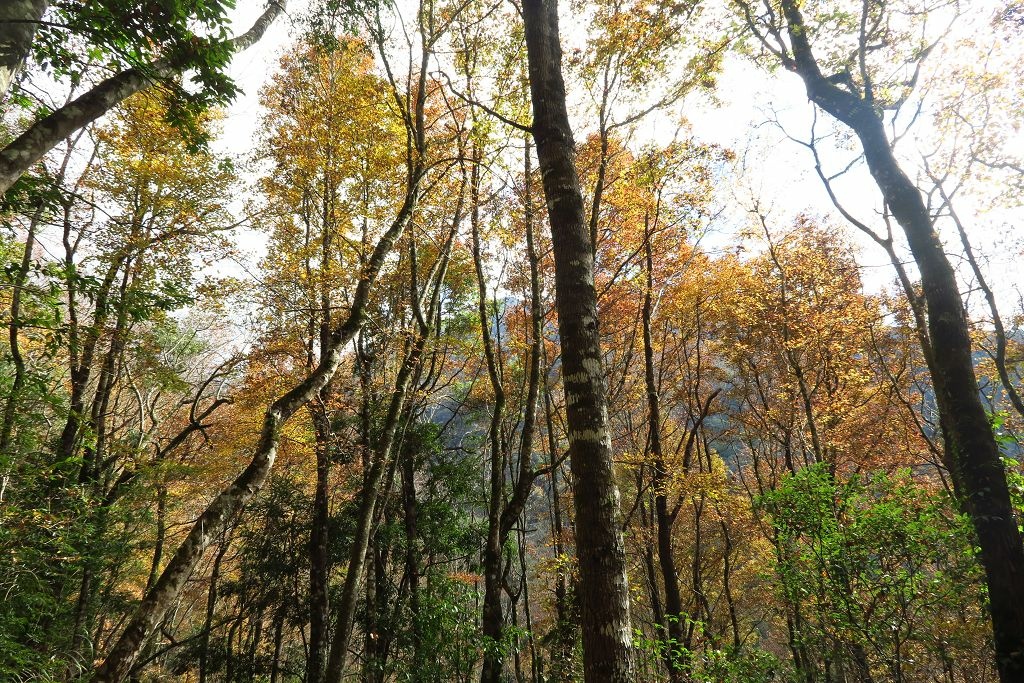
(778, 171)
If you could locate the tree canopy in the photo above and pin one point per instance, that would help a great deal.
(488, 353)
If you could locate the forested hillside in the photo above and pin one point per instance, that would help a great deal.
(480, 355)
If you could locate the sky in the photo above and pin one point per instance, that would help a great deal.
(753, 112)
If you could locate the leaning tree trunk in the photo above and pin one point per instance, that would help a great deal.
(974, 455)
(604, 591)
(230, 501)
(32, 145)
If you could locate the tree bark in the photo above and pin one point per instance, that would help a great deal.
(604, 591)
(19, 20)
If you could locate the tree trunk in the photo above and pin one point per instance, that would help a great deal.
(211, 605)
(604, 590)
(412, 559)
(318, 554)
(561, 656)
(492, 618)
(227, 504)
(320, 410)
(664, 519)
(18, 22)
(32, 145)
(381, 464)
(13, 332)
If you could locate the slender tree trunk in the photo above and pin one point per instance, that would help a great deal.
(412, 560)
(663, 517)
(275, 662)
(161, 533)
(372, 487)
(561, 656)
(81, 364)
(492, 619)
(32, 145)
(604, 590)
(727, 584)
(13, 332)
(320, 410)
(318, 557)
(211, 605)
(360, 544)
(227, 504)
(974, 455)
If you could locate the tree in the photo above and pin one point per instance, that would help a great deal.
(852, 96)
(208, 57)
(604, 590)
(227, 504)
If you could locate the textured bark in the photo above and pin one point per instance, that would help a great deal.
(604, 592)
(230, 501)
(19, 20)
(33, 144)
(974, 455)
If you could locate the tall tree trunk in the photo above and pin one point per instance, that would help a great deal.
(364, 520)
(320, 410)
(663, 517)
(604, 590)
(561, 656)
(13, 332)
(730, 601)
(493, 618)
(412, 560)
(382, 461)
(81, 362)
(974, 455)
(275, 662)
(318, 553)
(161, 534)
(211, 605)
